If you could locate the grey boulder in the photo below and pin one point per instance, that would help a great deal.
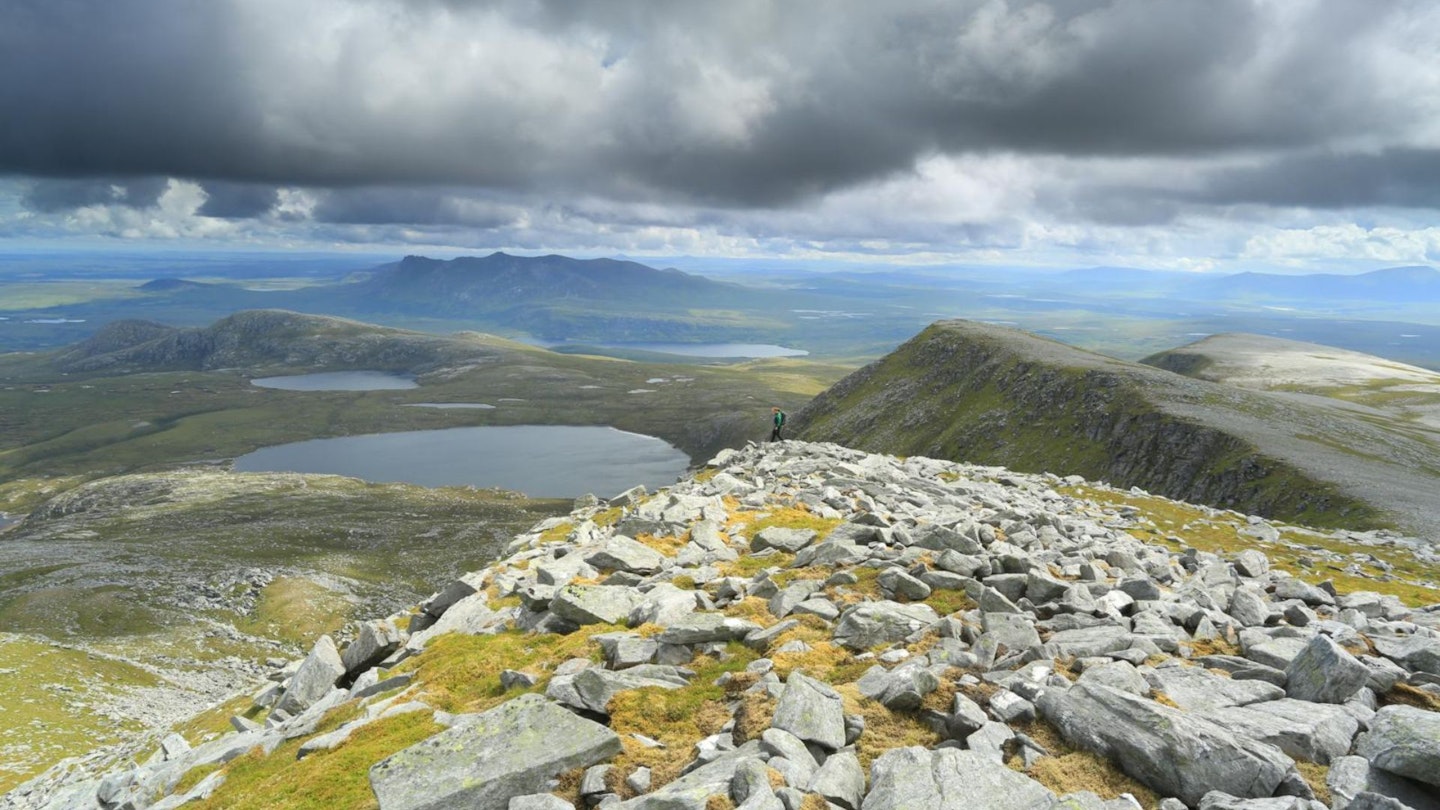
(900, 689)
(919, 779)
(624, 554)
(1174, 753)
(872, 623)
(314, 679)
(1404, 740)
(811, 711)
(840, 780)
(1325, 673)
(1304, 730)
(485, 760)
(594, 604)
(791, 540)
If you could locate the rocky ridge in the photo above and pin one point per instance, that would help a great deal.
(803, 626)
(984, 393)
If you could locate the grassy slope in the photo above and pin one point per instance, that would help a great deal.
(105, 578)
(991, 396)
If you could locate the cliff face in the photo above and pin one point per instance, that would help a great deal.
(991, 395)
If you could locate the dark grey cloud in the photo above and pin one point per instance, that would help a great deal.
(237, 200)
(385, 206)
(49, 196)
(1405, 178)
(731, 105)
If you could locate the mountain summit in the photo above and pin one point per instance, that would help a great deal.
(807, 626)
(501, 281)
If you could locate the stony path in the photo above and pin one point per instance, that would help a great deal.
(866, 633)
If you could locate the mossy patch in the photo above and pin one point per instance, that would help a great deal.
(323, 780)
(679, 718)
(47, 704)
(461, 673)
(748, 565)
(297, 610)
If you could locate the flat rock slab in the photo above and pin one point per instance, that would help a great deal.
(791, 540)
(1083, 642)
(1174, 753)
(870, 623)
(1404, 740)
(595, 604)
(919, 779)
(1304, 730)
(511, 750)
(811, 711)
(1197, 690)
(624, 554)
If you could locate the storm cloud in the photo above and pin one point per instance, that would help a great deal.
(505, 115)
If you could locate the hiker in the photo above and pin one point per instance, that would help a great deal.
(779, 416)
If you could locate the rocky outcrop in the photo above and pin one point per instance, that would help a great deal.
(1063, 617)
(486, 759)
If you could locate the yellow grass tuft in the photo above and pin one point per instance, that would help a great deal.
(668, 546)
(1163, 699)
(1068, 769)
(677, 717)
(753, 716)
(752, 608)
(884, 730)
(1314, 775)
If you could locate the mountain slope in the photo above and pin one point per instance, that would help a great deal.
(501, 281)
(988, 394)
(259, 338)
(559, 297)
(1266, 363)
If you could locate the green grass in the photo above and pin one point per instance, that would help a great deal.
(320, 781)
(1195, 527)
(297, 610)
(45, 716)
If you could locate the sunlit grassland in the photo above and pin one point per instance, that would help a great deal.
(19, 296)
(48, 704)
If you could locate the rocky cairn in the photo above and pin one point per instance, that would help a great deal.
(893, 634)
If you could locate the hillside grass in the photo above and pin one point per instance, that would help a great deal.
(1299, 552)
(49, 699)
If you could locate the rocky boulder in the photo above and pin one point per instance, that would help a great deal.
(1174, 753)
(484, 760)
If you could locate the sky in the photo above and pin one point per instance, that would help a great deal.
(1223, 135)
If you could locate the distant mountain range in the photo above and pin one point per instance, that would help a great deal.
(500, 281)
(260, 338)
(1390, 285)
